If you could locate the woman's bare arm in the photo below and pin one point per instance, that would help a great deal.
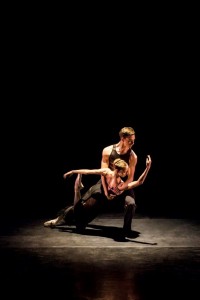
(102, 171)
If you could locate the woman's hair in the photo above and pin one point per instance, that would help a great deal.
(126, 131)
(120, 164)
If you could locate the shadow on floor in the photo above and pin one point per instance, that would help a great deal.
(111, 232)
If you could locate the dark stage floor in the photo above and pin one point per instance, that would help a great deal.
(161, 260)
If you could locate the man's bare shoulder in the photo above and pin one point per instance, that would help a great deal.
(133, 154)
(107, 150)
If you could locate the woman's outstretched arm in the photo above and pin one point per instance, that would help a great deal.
(103, 171)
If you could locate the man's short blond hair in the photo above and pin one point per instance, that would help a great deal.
(126, 131)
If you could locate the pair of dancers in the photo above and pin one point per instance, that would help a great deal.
(76, 213)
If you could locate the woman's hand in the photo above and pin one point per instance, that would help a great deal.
(67, 174)
(110, 197)
(148, 161)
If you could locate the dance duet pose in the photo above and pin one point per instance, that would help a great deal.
(87, 207)
(91, 203)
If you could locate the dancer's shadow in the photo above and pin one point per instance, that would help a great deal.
(113, 232)
(117, 234)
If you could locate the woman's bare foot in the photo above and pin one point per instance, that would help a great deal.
(55, 222)
(50, 223)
